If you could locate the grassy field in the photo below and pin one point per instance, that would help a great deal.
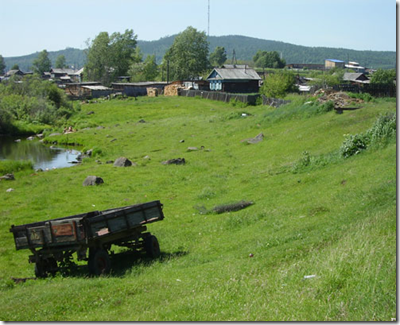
(334, 221)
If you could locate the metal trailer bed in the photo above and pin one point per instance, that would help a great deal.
(54, 241)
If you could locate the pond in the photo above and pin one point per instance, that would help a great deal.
(42, 156)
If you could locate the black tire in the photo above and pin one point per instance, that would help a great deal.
(99, 262)
(45, 267)
(151, 246)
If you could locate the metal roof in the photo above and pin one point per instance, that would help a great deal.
(334, 60)
(233, 74)
(96, 87)
(353, 76)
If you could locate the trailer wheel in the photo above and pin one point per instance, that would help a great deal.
(99, 262)
(45, 267)
(151, 246)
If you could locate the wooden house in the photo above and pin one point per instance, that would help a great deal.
(234, 79)
(358, 78)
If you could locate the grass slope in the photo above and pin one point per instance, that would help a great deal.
(337, 221)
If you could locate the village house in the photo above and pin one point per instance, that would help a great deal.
(66, 75)
(234, 79)
(333, 63)
(356, 78)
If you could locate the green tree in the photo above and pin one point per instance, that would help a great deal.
(61, 62)
(2, 65)
(218, 57)
(384, 77)
(15, 67)
(278, 85)
(42, 63)
(188, 54)
(150, 69)
(265, 59)
(110, 56)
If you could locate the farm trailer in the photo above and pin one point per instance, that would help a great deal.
(54, 241)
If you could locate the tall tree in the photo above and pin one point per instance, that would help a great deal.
(278, 85)
(42, 63)
(2, 65)
(61, 62)
(110, 56)
(384, 77)
(188, 54)
(150, 70)
(265, 59)
(218, 57)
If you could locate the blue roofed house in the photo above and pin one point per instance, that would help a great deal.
(333, 63)
(234, 79)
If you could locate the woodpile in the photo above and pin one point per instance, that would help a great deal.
(152, 92)
(172, 90)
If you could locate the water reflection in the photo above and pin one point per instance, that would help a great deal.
(42, 156)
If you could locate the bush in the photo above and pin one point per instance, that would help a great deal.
(353, 145)
(383, 130)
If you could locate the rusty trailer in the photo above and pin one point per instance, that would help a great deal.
(89, 235)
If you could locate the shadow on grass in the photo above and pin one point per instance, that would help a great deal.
(121, 264)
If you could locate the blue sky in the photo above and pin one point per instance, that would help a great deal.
(28, 26)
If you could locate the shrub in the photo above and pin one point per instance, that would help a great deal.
(353, 145)
(379, 134)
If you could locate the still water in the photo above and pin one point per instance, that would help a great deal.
(42, 156)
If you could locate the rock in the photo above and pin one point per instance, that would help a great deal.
(54, 134)
(147, 157)
(122, 162)
(90, 113)
(18, 140)
(30, 138)
(182, 141)
(9, 190)
(256, 139)
(177, 161)
(100, 127)
(141, 121)
(92, 180)
(89, 152)
(8, 177)
(113, 140)
(192, 149)
(109, 161)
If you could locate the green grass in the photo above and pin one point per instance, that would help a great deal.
(336, 220)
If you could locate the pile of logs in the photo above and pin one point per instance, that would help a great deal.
(172, 90)
(152, 92)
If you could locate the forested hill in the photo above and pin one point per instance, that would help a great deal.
(245, 48)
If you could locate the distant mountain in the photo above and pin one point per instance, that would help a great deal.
(245, 48)
(74, 57)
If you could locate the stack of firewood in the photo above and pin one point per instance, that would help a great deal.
(172, 90)
(152, 92)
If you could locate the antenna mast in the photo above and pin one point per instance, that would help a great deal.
(208, 32)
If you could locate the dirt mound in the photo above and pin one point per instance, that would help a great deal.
(340, 99)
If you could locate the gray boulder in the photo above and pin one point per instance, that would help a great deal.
(92, 180)
(122, 162)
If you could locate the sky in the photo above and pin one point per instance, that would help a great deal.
(29, 26)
